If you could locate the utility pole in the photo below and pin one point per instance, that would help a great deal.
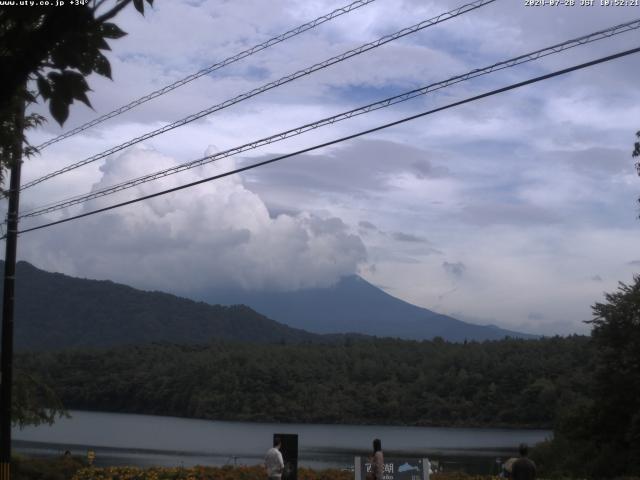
(6, 360)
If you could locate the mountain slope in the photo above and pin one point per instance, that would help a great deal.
(354, 305)
(55, 311)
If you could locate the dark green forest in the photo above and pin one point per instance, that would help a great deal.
(519, 383)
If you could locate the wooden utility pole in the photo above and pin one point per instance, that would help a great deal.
(6, 360)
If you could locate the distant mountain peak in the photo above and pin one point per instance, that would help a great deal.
(78, 312)
(355, 305)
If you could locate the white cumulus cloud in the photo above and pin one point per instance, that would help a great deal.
(219, 233)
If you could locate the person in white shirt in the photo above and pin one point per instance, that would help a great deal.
(273, 461)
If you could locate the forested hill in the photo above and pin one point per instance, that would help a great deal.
(511, 383)
(55, 311)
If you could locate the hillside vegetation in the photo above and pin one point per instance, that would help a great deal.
(55, 311)
(502, 383)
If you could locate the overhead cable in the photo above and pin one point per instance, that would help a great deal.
(211, 68)
(615, 30)
(340, 140)
(276, 83)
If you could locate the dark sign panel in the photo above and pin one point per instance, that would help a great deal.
(289, 450)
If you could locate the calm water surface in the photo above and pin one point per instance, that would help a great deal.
(144, 440)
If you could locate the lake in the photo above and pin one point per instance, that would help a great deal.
(146, 440)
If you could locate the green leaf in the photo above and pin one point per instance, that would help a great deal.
(78, 86)
(59, 110)
(111, 30)
(43, 87)
(85, 62)
(102, 44)
(62, 57)
(101, 66)
(60, 88)
(29, 96)
(139, 4)
(33, 120)
(82, 96)
(65, 87)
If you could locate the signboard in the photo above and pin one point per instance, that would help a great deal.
(289, 450)
(395, 468)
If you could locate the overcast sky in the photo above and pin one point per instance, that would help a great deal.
(517, 210)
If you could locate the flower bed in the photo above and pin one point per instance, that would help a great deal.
(229, 473)
(200, 473)
(73, 469)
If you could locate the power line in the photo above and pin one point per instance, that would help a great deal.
(257, 91)
(342, 139)
(211, 68)
(635, 24)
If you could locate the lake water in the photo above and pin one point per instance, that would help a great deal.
(145, 440)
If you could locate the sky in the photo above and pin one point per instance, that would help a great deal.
(518, 210)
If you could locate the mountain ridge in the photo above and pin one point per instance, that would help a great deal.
(55, 311)
(355, 305)
(77, 313)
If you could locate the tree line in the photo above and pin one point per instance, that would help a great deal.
(515, 383)
(598, 435)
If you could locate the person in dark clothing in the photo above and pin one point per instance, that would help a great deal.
(523, 468)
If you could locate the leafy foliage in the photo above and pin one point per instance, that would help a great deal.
(616, 390)
(58, 48)
(599, 436)
(508, 383)
(201, 473)
(62, 468)
(13, 124)
(67, 468)
(33, 402)
(230, 473)
(52, 50)
(636, 153)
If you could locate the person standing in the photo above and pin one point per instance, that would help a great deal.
(377, 461)
(523, 468)
(273, 461)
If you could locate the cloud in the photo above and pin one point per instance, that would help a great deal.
(367, 225)
(358, 166)
(492, 213)
(424, 169)
(531, 191)
(455, 269)
(596, 278)
(535, 316)
(447, 293)
(218, 234)
(371, 269)
(598, 162)
(408, 237)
